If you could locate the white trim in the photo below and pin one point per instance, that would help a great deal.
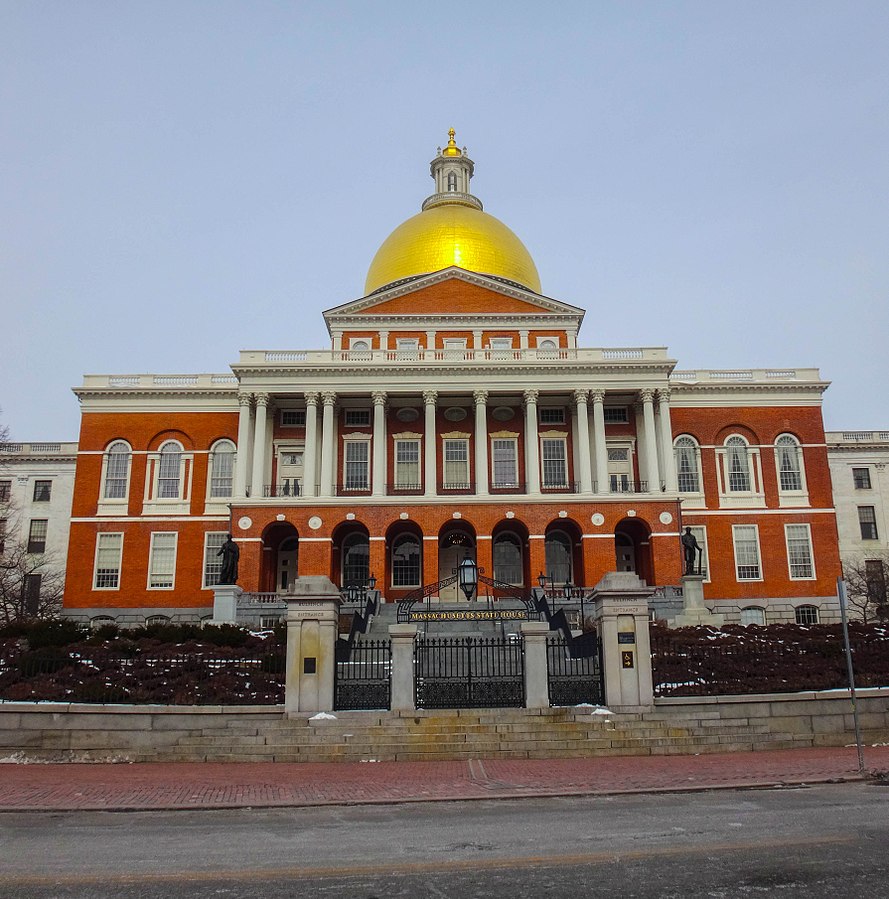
(759, 564)
(149, 518)
(763, 511)
(811, 547)
(151, 573)
(99, 536)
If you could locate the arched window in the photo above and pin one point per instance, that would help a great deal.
(753, 615)
(222, 468)
(452, 180)
(547, 344)
(508, 559)
(806, 614)
(361, 346)
(356, 561)
(789, 461)
(169, 472)
(117, 470)
(737, 463)
(688, 457)
(406, 561)
(558, 556)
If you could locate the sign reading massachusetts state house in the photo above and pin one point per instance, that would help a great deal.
(470, 615)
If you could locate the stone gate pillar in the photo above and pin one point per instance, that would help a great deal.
(536, 669)
(312, 624)
(621, 613)
(403, 637)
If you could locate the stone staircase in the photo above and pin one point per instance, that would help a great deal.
(462, 734)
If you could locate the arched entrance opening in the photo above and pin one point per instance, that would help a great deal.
(510, 553)
(564, 553)
(350, 562)
(456, 542)
(632, 549)
(280, 556)
(404, 559)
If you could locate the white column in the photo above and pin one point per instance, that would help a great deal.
(430, 344)
(378, 485)
(532, 449)
(430, 444)
(481, 441)
(328, 444)
(523, 339)
(243, 445)
(583, 439)
(667, 458)
(600, 448)
(310, 453)
(259, 440)
(651, 469)
(477, 341)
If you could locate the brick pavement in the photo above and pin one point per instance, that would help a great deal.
(185, 785)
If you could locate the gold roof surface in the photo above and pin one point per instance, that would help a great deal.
(452, 234)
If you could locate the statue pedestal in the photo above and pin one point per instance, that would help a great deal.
(694, 612)
(225, 603)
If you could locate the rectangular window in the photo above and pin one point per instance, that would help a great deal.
(293, 418)
(700, 534)
(504, 458)
(799, 551)
(5, 491)
(454, 344)
(555, 465)
(32, 594)
(109, 549)
(2, 535)
(357, 472)
(42, 491)
(867, 520)
(407, 347)
(37, 536)
(746, 540)
(162, 560)
(501, 343)
(456, 464)
(875, 577)
(213, 541)
(615, 415)
(861, 478)
(552, 415)
(357, 418)
(407, 464)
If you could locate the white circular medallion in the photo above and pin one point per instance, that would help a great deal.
(665, 518)
(245, 523)
(315, 522)
(598, 519)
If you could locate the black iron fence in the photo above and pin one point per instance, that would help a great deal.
(470, 672)
(364, 678)
(574, 679)
(198, 676)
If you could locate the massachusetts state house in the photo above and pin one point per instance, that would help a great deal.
(453, 414)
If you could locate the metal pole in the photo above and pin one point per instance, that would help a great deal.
(841, 595)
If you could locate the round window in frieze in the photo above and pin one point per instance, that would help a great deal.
(245, 523)
(407, 414)
(665, 518)
(503, 413)
(598, 519)
(455, 413)
(315, 522)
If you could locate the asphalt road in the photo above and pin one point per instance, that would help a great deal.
(819, 841)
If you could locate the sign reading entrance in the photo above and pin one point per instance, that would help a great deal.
(469, 615)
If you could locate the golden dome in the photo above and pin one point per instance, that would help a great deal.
(452, 234)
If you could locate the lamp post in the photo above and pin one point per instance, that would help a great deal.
(467, 574)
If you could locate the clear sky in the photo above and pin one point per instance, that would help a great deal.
(182, 180)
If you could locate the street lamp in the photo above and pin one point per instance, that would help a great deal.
(468, 577)
(372, 583)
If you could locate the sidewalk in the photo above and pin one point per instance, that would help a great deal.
(131, 787)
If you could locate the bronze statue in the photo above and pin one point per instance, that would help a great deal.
(692, 550)
(230, 553)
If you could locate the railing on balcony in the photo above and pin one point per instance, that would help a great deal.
(288, 487)
(627, 486)
(404, 489)
(508, 487)
(561, 488)
(456, 487)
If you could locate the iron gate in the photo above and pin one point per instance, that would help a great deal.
(470, 672)
(574, 680)
(363, 678)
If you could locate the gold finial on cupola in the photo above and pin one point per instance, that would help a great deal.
(451, 149)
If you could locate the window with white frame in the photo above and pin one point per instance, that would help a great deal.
(162, 560)
(359, 344)
(501, 343)
(357, 465)
(615, 415)
(552, 415)
(789, 459)
(213, 541)
(454, 344)
(799, 551)
(407, 346)
(688, 464)
(37, 535)
(169, 471)
(293, 418)
(109, 551)
(547, 344)
(456, 464)
(806, 615)
(356, 418)
(406, 561)
(507, 552)
(700, 534)
(407, 464)
(620, 467)
(117, 470)
(867, 521)
(555, 464)
(752, 615)
(504, 462)
(746, 542)
(222, 469)
(737, 465)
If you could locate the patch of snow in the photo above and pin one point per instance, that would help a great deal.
(323, 716)
(603, 711)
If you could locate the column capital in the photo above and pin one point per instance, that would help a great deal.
(597, 395)
(328, 397)
(581, 395)
(646, 394)
(311, 398)
(664, 394)
(480, 396)
(262, 399)
(430, 397)
(245, 399)
(530, 396)
(379, 397)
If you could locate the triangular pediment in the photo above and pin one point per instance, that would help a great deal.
(453, 292)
